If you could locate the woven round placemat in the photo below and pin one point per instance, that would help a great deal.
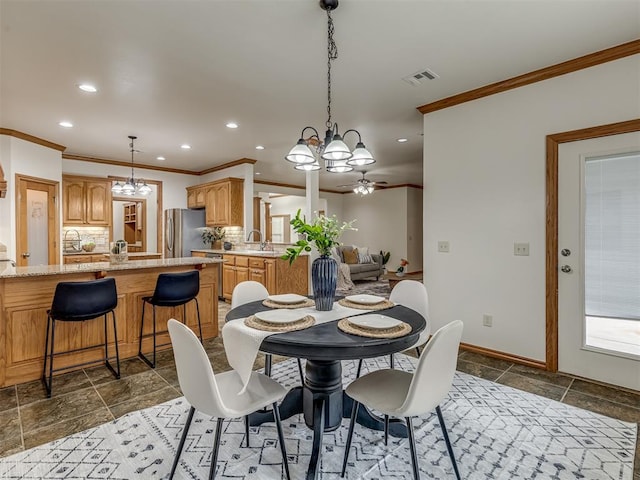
(360, 306)
(304, 322)
(307, 303)
(398, 331)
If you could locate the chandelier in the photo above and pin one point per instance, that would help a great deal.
(132, 186)
(333, 150)
(363, 189)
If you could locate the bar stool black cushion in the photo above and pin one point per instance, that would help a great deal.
(172, 290)
(77, 302)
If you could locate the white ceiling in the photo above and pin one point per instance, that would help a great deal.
(175, 71)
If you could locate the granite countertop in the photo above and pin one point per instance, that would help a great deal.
(44, 270)
(82, 252)
(253, 253)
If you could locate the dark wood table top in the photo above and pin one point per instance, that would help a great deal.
(327, 342)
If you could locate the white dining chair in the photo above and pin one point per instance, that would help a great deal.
(218, 395)
(411, 294)
(401, 394)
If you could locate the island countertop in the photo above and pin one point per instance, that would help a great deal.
(251, 253)
(43, 270)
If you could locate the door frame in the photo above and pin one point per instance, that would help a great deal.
(551, 294)
(53, 223)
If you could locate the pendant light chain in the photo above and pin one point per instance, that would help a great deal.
(332, 54)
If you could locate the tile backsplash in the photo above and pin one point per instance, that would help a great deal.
(97, 235)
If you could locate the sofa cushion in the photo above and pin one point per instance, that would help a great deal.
(363, 267)
(350, 256)
(364, 257)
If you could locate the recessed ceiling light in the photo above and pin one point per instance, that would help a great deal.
(185, 146)
(257, 173)
(402, 140)
(87, 87)
(66, 124)
(232, 125)
(160, 158)
(259, 147)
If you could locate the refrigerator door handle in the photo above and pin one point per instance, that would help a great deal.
(170, 236)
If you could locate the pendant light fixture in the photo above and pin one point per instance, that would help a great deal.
(333, 150)
(132, 186)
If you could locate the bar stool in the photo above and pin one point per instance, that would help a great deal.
(77, 302)
(172, 290)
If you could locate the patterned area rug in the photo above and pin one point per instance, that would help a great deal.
(497, 433)
(380, 287)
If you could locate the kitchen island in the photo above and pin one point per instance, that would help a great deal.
(26, 294)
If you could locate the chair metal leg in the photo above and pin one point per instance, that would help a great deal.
(246, 429)
(181, 444)
(283, 448)
(446, 440)
(386, 429)
(198, 314)
(142, 356)
(267, 364)
(47, 386)
(352, 422)
(418, 351)
(359, 368)
(300, 371)
(216, 446)
(392, 362)
(412, 446)
(115, 342)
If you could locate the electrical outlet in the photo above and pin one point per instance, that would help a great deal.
(487, 320)
(443, 246)
(521, 249)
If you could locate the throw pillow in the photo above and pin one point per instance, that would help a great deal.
(350, 256)
(362, 250)
(364, 258)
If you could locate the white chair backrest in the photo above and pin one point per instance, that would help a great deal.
(434, 373)
(247, 292)
(195, 374)
(413, 294)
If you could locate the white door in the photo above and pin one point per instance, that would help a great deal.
(599, 259)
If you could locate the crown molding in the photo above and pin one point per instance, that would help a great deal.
(580, 63)
(234, 163)
(32, 139)
(289, 185)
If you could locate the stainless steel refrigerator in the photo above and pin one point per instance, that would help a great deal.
(182, 232)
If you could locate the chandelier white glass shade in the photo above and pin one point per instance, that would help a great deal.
(132, 186)
(338, 157)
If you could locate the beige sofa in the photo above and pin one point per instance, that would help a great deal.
(360, 271)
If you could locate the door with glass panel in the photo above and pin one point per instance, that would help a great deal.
(36, 221)
(599, 259)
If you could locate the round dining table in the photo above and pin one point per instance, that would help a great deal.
(321, 399)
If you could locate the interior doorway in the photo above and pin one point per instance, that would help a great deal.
(37, 221)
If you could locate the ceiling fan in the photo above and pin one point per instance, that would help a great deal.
(362, 186)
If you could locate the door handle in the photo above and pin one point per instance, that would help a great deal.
(565, 252)
(566, 269)
(26, 255)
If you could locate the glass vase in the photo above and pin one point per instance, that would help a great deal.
(324, 279)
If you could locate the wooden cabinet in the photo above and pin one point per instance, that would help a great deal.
(196, 196)
(86, 201)
(71, 259)
(224, 203)
(274, 273)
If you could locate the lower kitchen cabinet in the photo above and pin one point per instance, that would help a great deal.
(272, 272)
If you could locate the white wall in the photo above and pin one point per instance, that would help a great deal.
(26, 158)
(381, 221)
(484, 189)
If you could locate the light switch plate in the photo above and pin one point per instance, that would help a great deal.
(521, 249)
(443, 246)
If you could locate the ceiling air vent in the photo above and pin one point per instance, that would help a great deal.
(420, 77)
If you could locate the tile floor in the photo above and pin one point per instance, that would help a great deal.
(90, 397)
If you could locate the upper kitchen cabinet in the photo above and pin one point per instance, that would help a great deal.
(224, 202)
(86, 201)
(196, 196)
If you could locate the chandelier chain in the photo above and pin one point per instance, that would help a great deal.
(332, 54)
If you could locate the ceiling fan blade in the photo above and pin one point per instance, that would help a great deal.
(380, 183)
(351, 185)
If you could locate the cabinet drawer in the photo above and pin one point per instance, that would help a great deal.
(256, 262)
(242, 261)
(229, 259)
